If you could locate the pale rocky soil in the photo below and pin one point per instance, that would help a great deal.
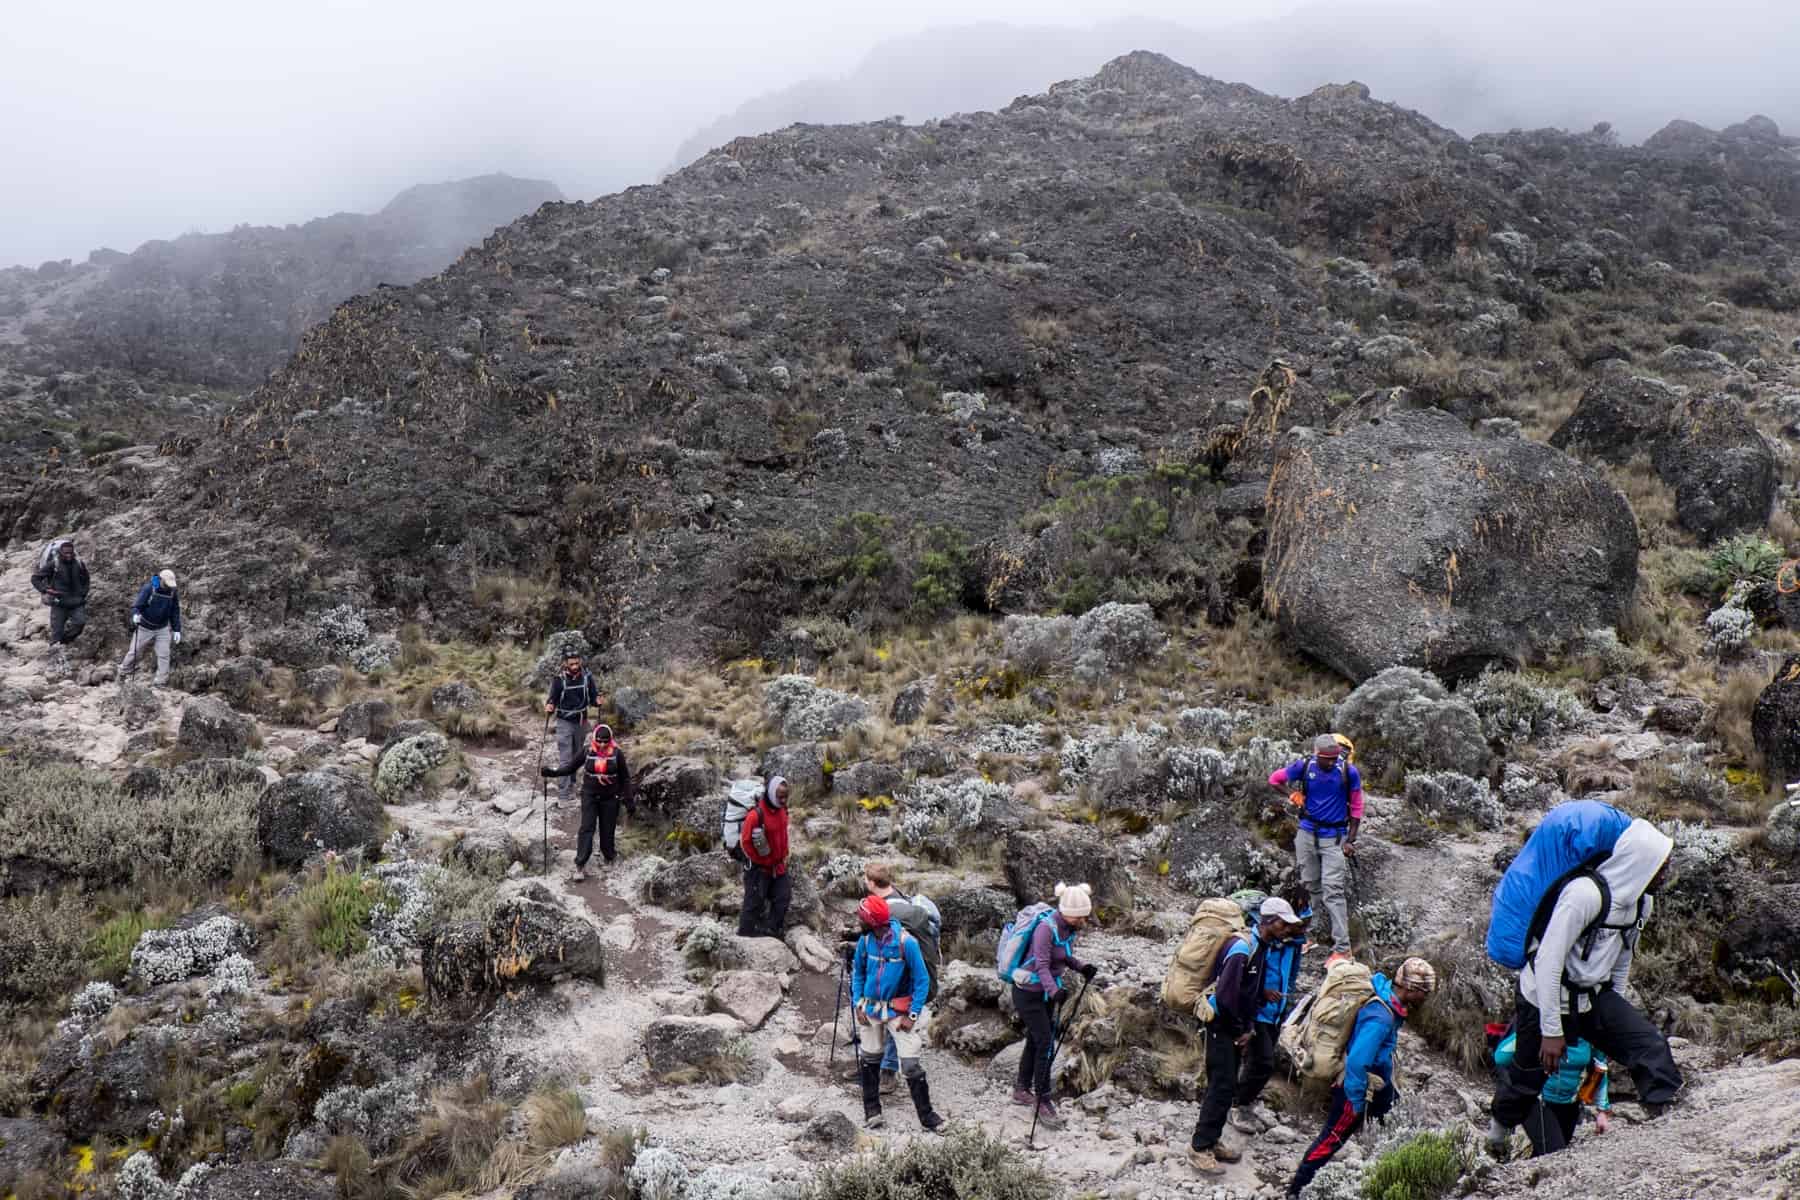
(1736, 1134)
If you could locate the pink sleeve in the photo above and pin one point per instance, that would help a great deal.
(1279, 777)
(1356, 805)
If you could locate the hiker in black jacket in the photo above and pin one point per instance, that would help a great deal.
(605, 785)
(62, 581)
(572, 693)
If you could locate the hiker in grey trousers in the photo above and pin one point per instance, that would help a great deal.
(572, 693)
(155, 621)
(1331, 809)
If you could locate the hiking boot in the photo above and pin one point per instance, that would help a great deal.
(872, 1118)
(1247, 1122)
(1046, 1114)
(1206, 1162)
(1498, 1141)
(1226, 1153)
(929, 1120)
(890, 1082)
(578, 875)
(1024, 1097)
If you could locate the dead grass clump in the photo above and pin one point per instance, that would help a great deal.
(454, 1143)
(1733, 703)
(555, 1117)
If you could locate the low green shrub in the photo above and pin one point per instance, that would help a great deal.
(1424, 1167)
(967, 1165)
(330, 914)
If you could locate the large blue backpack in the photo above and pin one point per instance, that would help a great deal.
(1570, 841)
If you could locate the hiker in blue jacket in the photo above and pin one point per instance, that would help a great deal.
(155, 620)
(1551, 1125)
(1371, 1053)
(889, 985)
(1255, 973)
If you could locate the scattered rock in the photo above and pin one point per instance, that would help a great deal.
(1037, 861)
(749, 996)
(1781, 831)
(1775, 720)
(28, 1144)
(631, 707)
(529, 938)
(318, 810)
(671, 783)
(802, 764)
(679, 1047)
(831, 1133)
(1404, 719)
(981, 1037)
(695, 883)
(280, 1179)
(488, 852)
(1462, 552)
(912, 701)
(803, 710)
(762, 954)
(139, 707)
(455, 699)
(867, 779)
(370, 720)
(211, 729)
(976, 912)
(1720, 466)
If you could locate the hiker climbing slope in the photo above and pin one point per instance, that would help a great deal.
(605, 786)
(1576, 969)
(155, 621)
(919, 916)
(61, 579)
(888, 990)
(1046, 951)
(1366, 1086)
(1330, 792)
(1581, 1078)
(572, 694)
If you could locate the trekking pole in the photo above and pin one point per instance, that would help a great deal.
(544, 802)
(1055, 1046)
(837, 1008)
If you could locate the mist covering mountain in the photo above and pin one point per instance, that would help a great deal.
(1473, 68)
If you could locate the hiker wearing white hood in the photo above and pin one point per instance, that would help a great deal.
(764, 840)
(1572, 981)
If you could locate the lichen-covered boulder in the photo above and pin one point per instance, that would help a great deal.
(210, 728)
(695, 884)
(316, 811)
(1720, 466)
(670, 783)
(976, 912)
(802, 709)
(1405, 719)
(530, 938)
(1618, 416)
(405, 768)
(1036, 861)
(370, 720)
(1409, 541)
(802, 764)
(692, 1047)
(1775, 720)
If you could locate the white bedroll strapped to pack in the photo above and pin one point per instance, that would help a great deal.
(739, 800)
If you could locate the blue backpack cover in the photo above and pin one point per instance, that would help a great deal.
(1571, 839)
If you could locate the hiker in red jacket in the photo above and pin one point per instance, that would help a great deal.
(767, 888)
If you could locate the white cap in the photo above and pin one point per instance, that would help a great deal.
(168, 576)
(1280, 909)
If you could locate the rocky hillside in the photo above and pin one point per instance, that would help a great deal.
(1122, 289)
(222, 309)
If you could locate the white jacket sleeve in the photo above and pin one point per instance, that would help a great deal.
(1575, 909)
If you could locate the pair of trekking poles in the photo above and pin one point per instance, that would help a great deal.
(837, 1008)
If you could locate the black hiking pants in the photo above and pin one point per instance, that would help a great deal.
(66, 624)
(1551, 1127)
(1040, 1040)
(601, 812)
(1616, 1029)
(1341, 1124)
(766, 898)
(1259, 1063)
(1222, 1060)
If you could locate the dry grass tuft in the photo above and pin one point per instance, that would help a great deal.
(555, 1117)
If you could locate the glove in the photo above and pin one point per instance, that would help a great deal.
(176, 639)
(759, 840)
(137, 619)
(547, 772)
(1088, 971)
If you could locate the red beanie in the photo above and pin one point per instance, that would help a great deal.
(874, 912)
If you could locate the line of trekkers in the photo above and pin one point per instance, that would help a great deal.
(61, 579)
(1566, 916)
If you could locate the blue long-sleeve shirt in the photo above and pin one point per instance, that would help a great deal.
(1564, 1084)
(888, 977)
(1372, 1045)
(158, 606)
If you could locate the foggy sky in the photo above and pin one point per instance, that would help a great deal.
(121, 122)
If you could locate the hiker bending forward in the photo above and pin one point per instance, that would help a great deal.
(888, 990)
(1571, 986)
(1255, 973)
(605, 786)
(1330, 817)
(1366, 1088)
(1037, 991)
(767, 887)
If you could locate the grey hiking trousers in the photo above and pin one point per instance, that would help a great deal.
(141, 637)
(571, 740)
(1326, 877)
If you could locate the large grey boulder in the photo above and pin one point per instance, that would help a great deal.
(976, 912)
(1036, 861)
(802, 764)
(671, 783)
(1618, 416)
(370, 720)
(1720, 466)
(318, 810)
(749, 996)
(1410, 541)
(210, 728)
(1775, 720)
(695, 884)
(530, 938)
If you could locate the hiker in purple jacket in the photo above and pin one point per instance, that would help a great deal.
(1037, 985)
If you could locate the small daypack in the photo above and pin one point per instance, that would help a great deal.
(1571, 841)
(1195, 967)
(1316, 1036)
(739, 800)
(1015, 940)
(919, 916)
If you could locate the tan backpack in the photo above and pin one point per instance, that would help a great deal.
(1316, 1035)
(1190, 977)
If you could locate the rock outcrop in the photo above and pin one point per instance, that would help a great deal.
(1409, 541)
(316, 811)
